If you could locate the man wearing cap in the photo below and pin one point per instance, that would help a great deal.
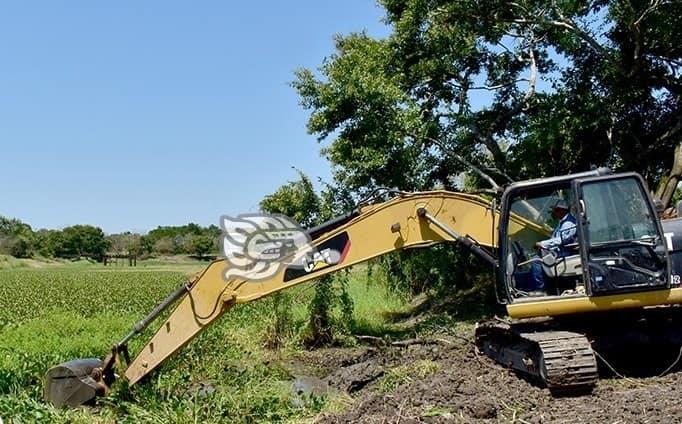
(564, 233)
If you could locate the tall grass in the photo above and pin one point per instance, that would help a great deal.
(227, 374)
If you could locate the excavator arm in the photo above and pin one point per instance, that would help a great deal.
(408, 221)
(378, 230)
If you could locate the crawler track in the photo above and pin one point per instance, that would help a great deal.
(562, 360)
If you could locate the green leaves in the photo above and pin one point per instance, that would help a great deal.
(31, 294)
(295, 199)
(363, 104)
(528, 87)
(16, 238)
(83, 240)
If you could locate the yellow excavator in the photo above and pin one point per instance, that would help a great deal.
(612, 281)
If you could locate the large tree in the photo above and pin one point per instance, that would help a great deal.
(83, 240)
(16, 238)
(505, 88)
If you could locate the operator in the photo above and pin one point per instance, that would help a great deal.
(564, 233)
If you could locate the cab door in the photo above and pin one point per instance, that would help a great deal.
(621, 241)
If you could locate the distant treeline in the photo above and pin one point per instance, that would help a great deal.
(20, 240)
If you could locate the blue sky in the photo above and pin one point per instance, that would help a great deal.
(128, 115)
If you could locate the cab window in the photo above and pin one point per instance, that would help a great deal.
(617, 211)
(533, 270)
(624, 249)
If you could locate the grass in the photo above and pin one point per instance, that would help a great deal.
(373, 305)
(397, 376)
(54, 314)
(10, 262)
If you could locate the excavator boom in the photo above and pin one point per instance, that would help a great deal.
(378, 230)
(410, 220)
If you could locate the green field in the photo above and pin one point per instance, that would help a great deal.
(60, 312)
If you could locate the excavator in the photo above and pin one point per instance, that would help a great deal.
(615, 282)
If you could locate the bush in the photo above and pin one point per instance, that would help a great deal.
(438, 270)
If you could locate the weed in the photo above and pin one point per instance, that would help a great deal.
(54, 314)
(396, 377)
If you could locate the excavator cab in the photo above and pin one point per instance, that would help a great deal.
(608, 242)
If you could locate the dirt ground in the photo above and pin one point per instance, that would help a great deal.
(447, 381)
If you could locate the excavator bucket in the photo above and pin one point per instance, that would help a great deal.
(75, 382)
(80, 381)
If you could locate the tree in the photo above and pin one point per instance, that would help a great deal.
(179, 239)
(83, 240)
(48, 242)
(295, 199)
(500, 90)
(16, 238)
(164, 245)
(201, 245)
(527, 88)
(146, 245)
(126, 242)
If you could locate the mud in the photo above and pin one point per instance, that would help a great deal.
(449, 382)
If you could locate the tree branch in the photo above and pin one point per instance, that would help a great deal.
(571, 26)
(637, 36)
(667, 187)
(673, 85)
(532, 80)
(653, 5)
(501, 173)
(670, 133)
(498, 86)
(465, 162)
(522, 105)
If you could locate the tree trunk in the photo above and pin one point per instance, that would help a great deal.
(668, 185)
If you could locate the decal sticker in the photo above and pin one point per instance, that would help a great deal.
(328, 253)
(258, 246)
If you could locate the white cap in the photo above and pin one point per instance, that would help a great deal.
(561, 204)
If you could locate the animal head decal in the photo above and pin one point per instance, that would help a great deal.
(257, 245)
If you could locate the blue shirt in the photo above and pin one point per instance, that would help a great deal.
(564, 233)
